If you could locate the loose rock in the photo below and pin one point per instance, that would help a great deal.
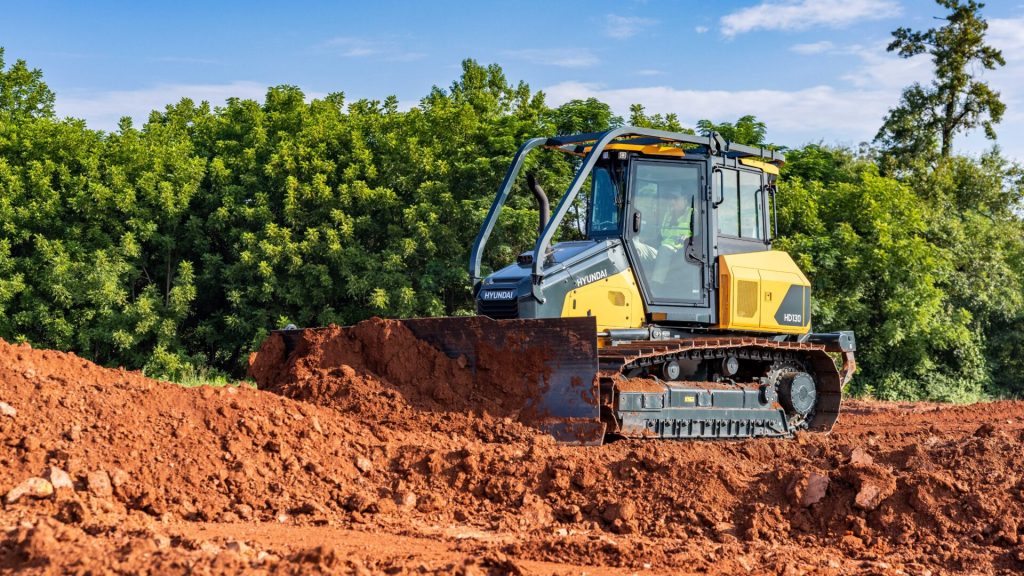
(118, 478)
(99, 485)
(31, 443)
(364, 465)
(874, 484)
(60, 480)
(33, 487)
(237, 546)
(861, 456)
(810, 488)
(407, 500)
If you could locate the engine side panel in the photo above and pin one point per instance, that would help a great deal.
(763, 292)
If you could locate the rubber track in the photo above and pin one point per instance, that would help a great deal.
(614, 360)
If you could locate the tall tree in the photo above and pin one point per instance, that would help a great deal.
(955, 101)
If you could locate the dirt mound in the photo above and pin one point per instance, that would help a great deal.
(199, 454)
(379, 369)
(376, 473)
(375, 363)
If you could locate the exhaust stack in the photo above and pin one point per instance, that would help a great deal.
(542, 201)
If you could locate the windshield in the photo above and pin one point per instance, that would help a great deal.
(605, 203)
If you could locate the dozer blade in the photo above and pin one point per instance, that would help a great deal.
(548, 364)
(541, 372)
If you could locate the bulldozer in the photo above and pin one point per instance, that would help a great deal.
(672, 317)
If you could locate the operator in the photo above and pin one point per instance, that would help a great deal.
(678, 220)
(676, 230)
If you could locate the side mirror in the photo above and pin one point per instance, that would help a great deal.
(636, 221)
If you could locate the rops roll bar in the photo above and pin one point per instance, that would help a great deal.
(577, 144)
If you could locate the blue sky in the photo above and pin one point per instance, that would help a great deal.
(812, 70)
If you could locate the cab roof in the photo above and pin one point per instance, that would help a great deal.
(673, 144)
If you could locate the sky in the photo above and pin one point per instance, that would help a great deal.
(812, 70)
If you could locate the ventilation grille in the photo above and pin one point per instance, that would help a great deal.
(498, 309)
(746, 299)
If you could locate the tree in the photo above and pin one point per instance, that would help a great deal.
(955, 101)
(862, 239)
(584, 116)
(23, 92)
(974, 207)
(180, 243)
(747, 130)
(88, 229)
(669, 121)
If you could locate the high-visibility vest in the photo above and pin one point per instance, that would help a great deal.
(674, 234)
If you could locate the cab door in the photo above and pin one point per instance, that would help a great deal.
(666, 232)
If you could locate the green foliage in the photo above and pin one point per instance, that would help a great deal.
(827, 165)
(583, 116)
(89, 224)
(182, 243)
(955, 101)
(974, 216)
(747, 130)
(206, 376)
(639, 118)
(861, 241)
(23, 94)
(925, 269)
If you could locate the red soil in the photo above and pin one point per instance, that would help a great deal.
(373, 466)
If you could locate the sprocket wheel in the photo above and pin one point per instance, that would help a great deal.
(775, 375)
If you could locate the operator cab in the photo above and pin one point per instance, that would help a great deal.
(656, 199)
(661, 208)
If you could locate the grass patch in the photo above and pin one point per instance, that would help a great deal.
(192, 377)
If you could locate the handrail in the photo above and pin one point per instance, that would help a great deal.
(476, 254)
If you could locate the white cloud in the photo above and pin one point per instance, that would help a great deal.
(103, 110)
(648, 72)
(802, 14)
(621, 27)
(350, 47)
(701, 29)
(883, 70)
(846, 114)
(356, 47)
(561, 57)
(886, 70)
(812, 48)
(794, 117)
(1007, 34)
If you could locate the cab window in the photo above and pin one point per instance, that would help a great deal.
(750, 205)
(605, 203)
(729, 209)
(739, 213)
